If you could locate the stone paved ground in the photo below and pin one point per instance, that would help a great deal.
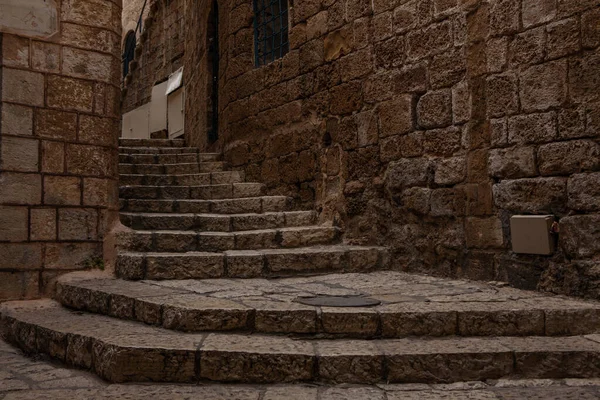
(26, 378)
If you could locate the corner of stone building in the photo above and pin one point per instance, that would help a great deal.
(59, 127)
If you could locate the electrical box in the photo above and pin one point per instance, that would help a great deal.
(532, 234)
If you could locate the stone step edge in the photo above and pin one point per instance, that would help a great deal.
(191, 240)
(176, 204)
(433, 319)
(92, 342)
(250, 263)
(218, 222)
(173, 164)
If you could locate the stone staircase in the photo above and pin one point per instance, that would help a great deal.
(206, 289)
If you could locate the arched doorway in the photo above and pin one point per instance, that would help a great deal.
(212, 45)
(128, 51)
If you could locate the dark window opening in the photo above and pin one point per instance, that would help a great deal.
(128, 51)
(270, 30)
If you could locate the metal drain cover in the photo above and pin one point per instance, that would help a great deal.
(338, 301)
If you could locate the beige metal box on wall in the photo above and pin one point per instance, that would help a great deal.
(532, 234)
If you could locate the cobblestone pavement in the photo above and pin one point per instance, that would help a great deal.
(26, 378)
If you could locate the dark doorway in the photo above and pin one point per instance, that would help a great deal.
(213, 72)
(128, 51)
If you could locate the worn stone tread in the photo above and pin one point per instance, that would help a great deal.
(193, 155)
(194, 179)
(174, 168)
(183, 241)
(251, 263)
(218, 222)
(129, 150)
(128, 351)
(222, 304)
(195, 192)
(244, 205)
(151, 142)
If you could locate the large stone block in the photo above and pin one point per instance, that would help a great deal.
(16, 120)
(544, 86)
(502, 95)
(396, 116)
(528, 47)
(563, 38)
(45, 57)
(484, 232)
(450, 171)
(532, 196)
(504, 16)
(77, 224)
(43, 224)
(15, 51)
(90, 160)
(567, 157)
(20, 256)
(70, 94)
(532, 128)
(346, 98)
(515, 162)
(579, 236)
(538, 11)
(62, 190)
(98, 131)
(448, 202)
(56, 124)
(434, 109)
(443, 142)
(584, 79)
(99, 13)
(20, 188)
(584, 192)
(407, 172)
(429, 41)
(53, 157)
(88, 65)
(23, 87)
(14, 224)
(590, 29)
(19, 154)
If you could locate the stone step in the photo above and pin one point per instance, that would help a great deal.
(259, 306)
(204, 192)
(124, 150)
(213, 178)
(178, 158)
(128, 351)
(257, 205)
(151, 142)
(251, 263)
(184, 241)
(171, 169)
(218, 222)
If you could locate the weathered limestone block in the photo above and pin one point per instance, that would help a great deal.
(579, 235)
(434, 109)
(534, 195)
(584, 192)
(515, 162)
(484, 232)
(354, 362)
(544, 86)
(532, 128)
(406, 173)
(568, 157)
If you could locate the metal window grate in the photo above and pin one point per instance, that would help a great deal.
(270, 30)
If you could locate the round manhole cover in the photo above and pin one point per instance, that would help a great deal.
(338, 301)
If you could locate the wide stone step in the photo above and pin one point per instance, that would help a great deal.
(171, 169)
(161, 150)
(218, 222)
(203, 192)
(257, 205)
(259, 306)
(183, 241)
(251, 263)
(128, 351)
(213, 178)
(177, 158)
(151, 142)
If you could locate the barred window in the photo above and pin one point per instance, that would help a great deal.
(270, 30)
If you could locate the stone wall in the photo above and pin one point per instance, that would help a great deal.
(131, 13)
(58, 137)
(159, 52)
(423, 125)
